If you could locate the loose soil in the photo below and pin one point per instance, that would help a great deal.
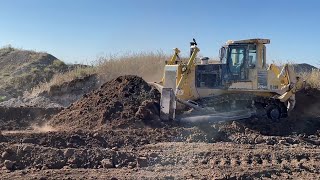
(21, 118)
(122, 102)
(114, 133)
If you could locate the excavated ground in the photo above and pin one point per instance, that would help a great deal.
(113, 132)
(21, 118)
(123, 102)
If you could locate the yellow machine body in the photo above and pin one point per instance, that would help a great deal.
(242, 70)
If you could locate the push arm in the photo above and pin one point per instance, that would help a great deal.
(187, 69)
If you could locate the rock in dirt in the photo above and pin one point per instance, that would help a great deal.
(121, 102)
(142, 162)
(282, 142)
(26, 148)
(68, 152)
(291, 140)
(259, 140)
(8, 164)
(131, 165)
(107, 163)
(114, 149)
(5, 154)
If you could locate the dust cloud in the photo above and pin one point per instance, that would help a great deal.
(42, 128)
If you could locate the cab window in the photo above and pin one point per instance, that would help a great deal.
(264, 57)
(237, 57)
(252, 55)
(223, 55)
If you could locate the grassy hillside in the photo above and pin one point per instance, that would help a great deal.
(303, 68)
(21, 70)
(147, 65)
(309, 73)
(312, 78)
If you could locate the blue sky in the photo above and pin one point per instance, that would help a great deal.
(79, 30)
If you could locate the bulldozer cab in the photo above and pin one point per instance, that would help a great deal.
(242, 57)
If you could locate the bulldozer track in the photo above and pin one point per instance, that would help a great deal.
(242, 101)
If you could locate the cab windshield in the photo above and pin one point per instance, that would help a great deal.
(236, 58)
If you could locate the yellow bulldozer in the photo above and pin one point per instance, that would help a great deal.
(240, 85)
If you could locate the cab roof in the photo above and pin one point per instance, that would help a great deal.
(249, 41)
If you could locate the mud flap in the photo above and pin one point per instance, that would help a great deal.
(167, 104)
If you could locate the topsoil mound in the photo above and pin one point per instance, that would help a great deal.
(122, 102)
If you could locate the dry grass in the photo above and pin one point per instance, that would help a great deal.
(6, 49)
(146, 65)
(59, 79)
(312, 78)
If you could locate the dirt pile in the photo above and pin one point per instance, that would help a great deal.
(122, 102)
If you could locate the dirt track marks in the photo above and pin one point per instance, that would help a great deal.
(234, 160)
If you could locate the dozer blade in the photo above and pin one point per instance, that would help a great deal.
(167, 104)
(216, 117)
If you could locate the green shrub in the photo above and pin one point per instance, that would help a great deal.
(2, 98)
(6, 49)
(34, 70)
(58, 64)
(47, 69)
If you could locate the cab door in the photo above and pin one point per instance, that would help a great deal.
(237, 63)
